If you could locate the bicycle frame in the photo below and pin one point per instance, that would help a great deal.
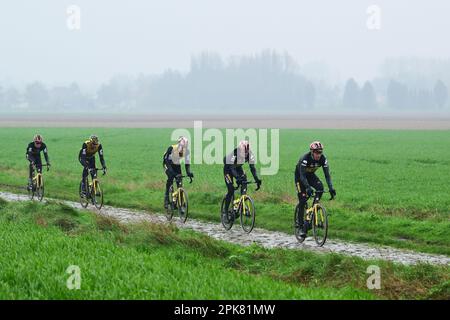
(38, 175)
(176, 195)
(95, 184)
(38, 179)
(313, 209)
(238, 203)
(177, 192)
(95, 180)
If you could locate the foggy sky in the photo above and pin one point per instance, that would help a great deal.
(143, 36)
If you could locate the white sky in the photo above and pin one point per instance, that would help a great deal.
(147, 36)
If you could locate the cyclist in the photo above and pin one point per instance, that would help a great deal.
(33, 155)
(233, 169)
(172, 167)
(87, 158)
(306, 179)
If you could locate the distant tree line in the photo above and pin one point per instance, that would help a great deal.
(265, 81)
(398, 96)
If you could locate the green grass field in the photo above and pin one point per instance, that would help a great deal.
(147, 261)
(392, 185)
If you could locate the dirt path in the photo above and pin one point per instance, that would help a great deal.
(265, 238)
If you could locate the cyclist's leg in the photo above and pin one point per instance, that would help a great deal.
(228, 177)
(38, 163)
(177, 169)
(84, 175)
(240, 171)
(91, 162)
(315, 182)
(30, 175)
(169, 182)
(302, 198)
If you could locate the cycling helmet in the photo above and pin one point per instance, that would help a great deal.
(244, 147)
(182, 144)
(93, 138)
(316, 146)
(37, 139)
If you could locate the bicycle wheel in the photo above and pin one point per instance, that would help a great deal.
(227, 218)
(297, 228)
(171, 207)
(40, 192)
(84, 197)
(320, 227)
(31, 191)
(183, 205)
(97, 195)
(248, 215)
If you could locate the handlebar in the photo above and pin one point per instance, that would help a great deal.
(325, 191)
(181, 177)
(97, 169)
(42, 165)
(246, 182)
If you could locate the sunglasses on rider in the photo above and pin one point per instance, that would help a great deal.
(318, 151)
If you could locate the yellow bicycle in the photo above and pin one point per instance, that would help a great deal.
(178, 200)
(37, 184)
(244, 207)
(94, 193)
(316, 218)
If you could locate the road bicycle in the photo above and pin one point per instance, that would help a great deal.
(37, 184)
(94, 193)
(178, 200)
(316, 218)
(243, 207)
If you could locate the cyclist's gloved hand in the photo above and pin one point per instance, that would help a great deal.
(309, 191)
(190, 174)
(48, 166)
(104, 170)
(258, 182)
(333, 192)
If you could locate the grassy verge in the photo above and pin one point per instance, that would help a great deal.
(149, 261)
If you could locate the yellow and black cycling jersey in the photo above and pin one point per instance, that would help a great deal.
(307, 165)
(88, 150)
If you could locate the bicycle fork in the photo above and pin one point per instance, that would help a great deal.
(38, 180)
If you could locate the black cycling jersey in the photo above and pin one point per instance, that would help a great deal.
(34, 153)
(234, 161)
(308, 166)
